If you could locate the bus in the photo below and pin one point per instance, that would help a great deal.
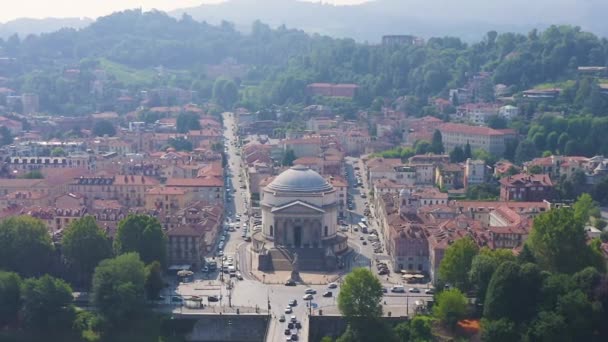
(363, 227)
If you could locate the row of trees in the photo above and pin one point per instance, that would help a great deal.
(554, 290)
(120, 276)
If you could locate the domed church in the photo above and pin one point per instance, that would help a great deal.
(299, 216)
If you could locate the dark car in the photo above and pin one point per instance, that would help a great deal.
(287, 332)
(290, 283)
(294, 337)
(213, 298)
(327, 294)
(290, 325)
(293, 302)
(298, 325)
(176, 299)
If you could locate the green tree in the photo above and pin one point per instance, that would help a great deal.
(497, 122)
(584, 207)
(360, 295)
(142, 234)
(25, 245)
(510, 286)
(548, 326)
(359, 302)
(225, 92)
(467, 151)
(154, 280)
(104, 127)
(57, 152)
(118, 288)
(289, 157)
(10, 297)
(47, 305)
(6, 137)
(420, 328)
(422, 147)
(501, 330)
(437, 143)
(558, 242)
(34, 174)
(402, 332)
(181, 144)
(483, 266)
(457, 155)
(456, 263)
(84, 245)
(526, 150)
(187, 122)
(451, 307)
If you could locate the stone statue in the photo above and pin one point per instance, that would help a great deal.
(295, 264)
(295, 268)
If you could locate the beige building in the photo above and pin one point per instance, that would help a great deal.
(209, 189)
(479, 138)
(128, 190)
(166, 199)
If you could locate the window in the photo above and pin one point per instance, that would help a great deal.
(326, 231)
(271, 230)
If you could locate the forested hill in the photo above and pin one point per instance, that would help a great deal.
(282, 61)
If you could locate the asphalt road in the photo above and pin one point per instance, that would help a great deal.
(252, 293)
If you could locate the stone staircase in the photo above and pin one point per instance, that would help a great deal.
(310, 259)
(280, 259)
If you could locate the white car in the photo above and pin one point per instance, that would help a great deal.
(332, 285)
(288, 310)
(307, 297)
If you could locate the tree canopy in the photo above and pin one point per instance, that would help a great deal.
(84, 245)
(104, 127)
(451, 306)
(25, 245)
(47, 304)
(142, 234)
(456, 263)
(119, 287)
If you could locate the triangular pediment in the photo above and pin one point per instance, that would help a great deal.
(297, 207)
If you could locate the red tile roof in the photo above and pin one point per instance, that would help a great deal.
(470, 130)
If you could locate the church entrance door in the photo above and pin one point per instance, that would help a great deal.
(297, 236)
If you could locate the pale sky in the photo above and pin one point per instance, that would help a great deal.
(12, 9)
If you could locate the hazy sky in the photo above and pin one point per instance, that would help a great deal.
(12, 9)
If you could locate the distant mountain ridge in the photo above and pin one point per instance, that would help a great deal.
(369, 21)
(26, 26)
(468, 19)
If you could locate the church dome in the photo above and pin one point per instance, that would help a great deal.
(300, 179)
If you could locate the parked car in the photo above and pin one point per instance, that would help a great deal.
(213, 298)
(294, 337)
(398, 289)
(429, 291)
(310, 291)
(327, 294)
(288, 310)
(288, 332)
(176, 299)
(307, 297)
(293, 302)
(282, 318)
(414, 290)
(332, 285)
(290, 283)
(293, 319)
